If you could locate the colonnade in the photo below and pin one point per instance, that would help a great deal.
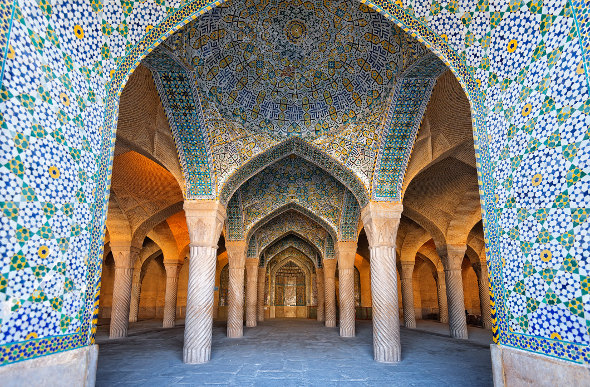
(205, 220)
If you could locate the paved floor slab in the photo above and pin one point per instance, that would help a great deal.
(290, 352)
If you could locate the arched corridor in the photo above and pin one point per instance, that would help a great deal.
(219, 174)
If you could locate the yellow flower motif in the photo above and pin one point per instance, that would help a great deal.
(537, 179)
(445, 37)
(555, 336)
(32, 335)
(148, 28)
(54, 172)
(63, 97)
(11, 54)
(43, 252)
(512, 45)
(478, 81)
(546, 255)
(526, 109)
(112, 73)
(78, 31)
(580, 69)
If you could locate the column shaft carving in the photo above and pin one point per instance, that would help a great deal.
(251, 290)
(321, 295)
(346, 252)
(125, 257)
(381, 221)
(135, 294)
(236, 255)
(172, 270)
(455, 297)
(204, 220)
(441, 287)
(260, 298)
(330, 292)
(408, 294)
(483, 282)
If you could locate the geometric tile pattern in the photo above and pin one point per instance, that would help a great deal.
(522, 67)
(293, 180)
(290, 241)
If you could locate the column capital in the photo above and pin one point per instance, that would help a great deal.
(407, 269)
(252, 262)
(172, 268)
(124, 254)
(345, 253)
(454, 257)
(381, 220)
(236, 253)
(204, 219)
(329, 266)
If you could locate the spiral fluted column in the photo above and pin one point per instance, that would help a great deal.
(483, 282)
(260, 297)
(381, 221)
(204, 220)
(455, 298)
(441, 289)
(124, 256)
(345, 253)
(251, 288)
(172, 270)
(321, 294)
(236, 255)
(330, 292)
(135, 293)
(408, 294)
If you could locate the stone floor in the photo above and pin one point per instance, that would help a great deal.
(293, 352)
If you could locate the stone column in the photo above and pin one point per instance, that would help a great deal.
(455, 298)
(125, 256)
(346, 252)
(321, 294)
(408, 294)
(260, 298)
(483, 281)
(204, 219)
(251, 288)
(172, 269)
(236, 256)
(381, 221)
(441, 288)
(135, 293)
(330, 292)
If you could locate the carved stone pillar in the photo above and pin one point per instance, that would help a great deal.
(455, 298)
(483, 281)
(204, 219)
(381, 221)
(260, 298)
(135, 294)
(346, 252)
(321, 294)
(125, 256)
(408, 294)
(330, 292)
(236, 256)
(172, 270)
(251, 288)
(441, 288)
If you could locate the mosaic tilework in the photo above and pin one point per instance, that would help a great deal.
(291, 222)
(291, 241)
(182, 108)
(65, 54)
(259, 85)
(293, 180)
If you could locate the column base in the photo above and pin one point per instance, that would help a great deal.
(168, 324)
(410, 324)
(76, 367)
(347, 332)
(515, 367)
(196, 355)
(117, 333)
(251, 324)
(386, 354)
(459, 334)
(330, 324)
(235, 334)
